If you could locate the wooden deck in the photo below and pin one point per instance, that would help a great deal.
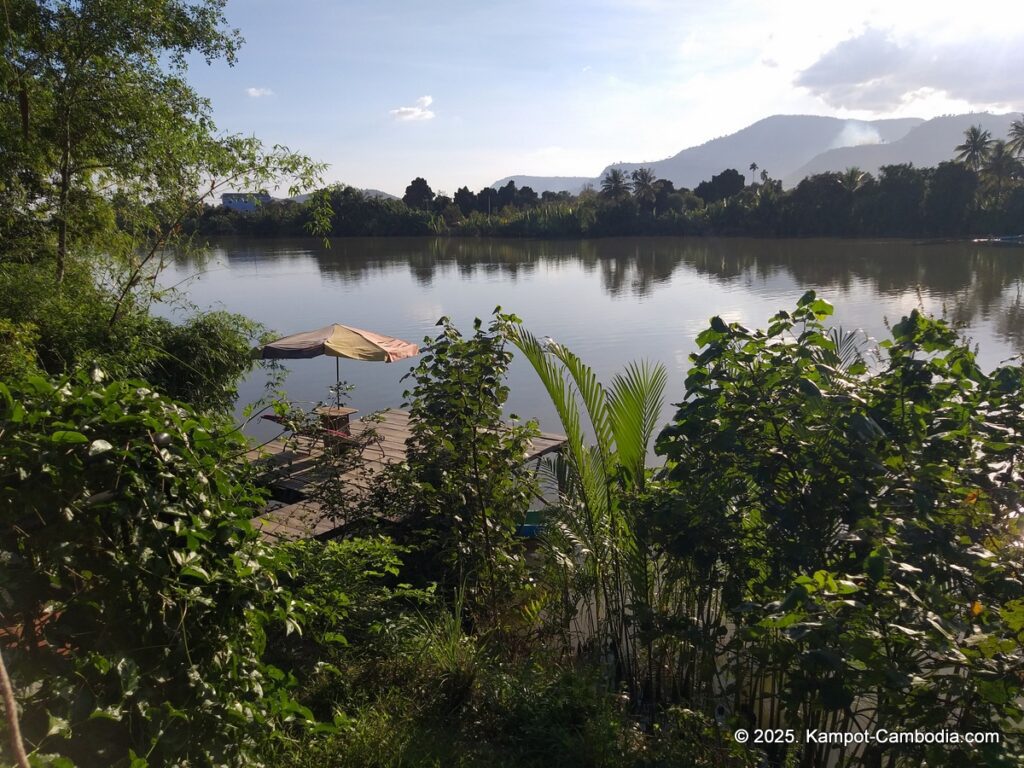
(293, 473)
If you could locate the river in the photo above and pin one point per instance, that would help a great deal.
(610, 301)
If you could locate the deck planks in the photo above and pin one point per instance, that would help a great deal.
(291, 470)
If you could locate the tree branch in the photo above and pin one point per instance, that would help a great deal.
(13, 729)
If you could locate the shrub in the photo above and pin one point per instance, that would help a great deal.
(138, 592)
(463, 488)
(852, 534)
(17, 349)
(199, 360)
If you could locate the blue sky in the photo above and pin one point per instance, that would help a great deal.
(468, 92)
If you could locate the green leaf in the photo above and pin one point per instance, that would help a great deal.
(196, 571)
(96, 447)
(56, 725)
(1013, 614)
(68, 437)
(821, 308)
(806, 299)
(809, 388)
(874, 566)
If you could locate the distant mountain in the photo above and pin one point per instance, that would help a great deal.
(366, 192)
(378, 193)
(541, 184)
(779, 144)
(925, 145)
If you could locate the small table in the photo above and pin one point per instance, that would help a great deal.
(335, 418)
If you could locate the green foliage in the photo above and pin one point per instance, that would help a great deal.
(17, 349)
(347, 588)
(464, 489)
(600, 560)
(142, 593)
(202, 359)
(418, 194)
(199, 361)
(953, 199)
(340, 210)
(107, 148)
(853, 532)
(722, 186)
(615, 185)
(72, 327)
(510, 717)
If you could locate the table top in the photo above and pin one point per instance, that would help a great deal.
(334, 410)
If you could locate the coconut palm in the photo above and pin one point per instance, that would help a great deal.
(1000, 169)
(615, 184)
(643, 188)
(852, 179)
(753, 172)
(974, 151)
(1015, 141)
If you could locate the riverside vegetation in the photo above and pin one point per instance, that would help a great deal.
(979, 193)
(831, 542)
(830, 538)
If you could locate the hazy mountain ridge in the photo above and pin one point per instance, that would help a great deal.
(925, 145)
(366, 193)
(790, 147)
(541, 184)
(778, 144)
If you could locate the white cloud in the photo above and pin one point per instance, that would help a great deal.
(879, 71)
(256, 93)
(420, 111)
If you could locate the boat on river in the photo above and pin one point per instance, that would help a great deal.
(1012, 240)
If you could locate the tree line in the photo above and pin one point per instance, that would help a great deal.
(979, 192)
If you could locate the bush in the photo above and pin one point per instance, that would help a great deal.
(463, 488)
(199, 361)
(17, 349)
(202, 359)
(858, 530)
(139, 594)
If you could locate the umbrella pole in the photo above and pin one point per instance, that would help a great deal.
(337, 382)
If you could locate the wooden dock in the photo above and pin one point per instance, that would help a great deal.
(293, 471)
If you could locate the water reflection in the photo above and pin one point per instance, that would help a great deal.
(971, 280)
(610, 301)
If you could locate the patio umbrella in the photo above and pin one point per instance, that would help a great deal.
(337, 341)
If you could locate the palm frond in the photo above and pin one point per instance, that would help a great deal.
(563, 394)
(635, 401)
(592, 394)
(849, 346)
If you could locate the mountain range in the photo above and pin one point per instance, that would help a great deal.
(791, 147)
(366, 193)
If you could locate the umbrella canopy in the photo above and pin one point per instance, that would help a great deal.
(338, 341)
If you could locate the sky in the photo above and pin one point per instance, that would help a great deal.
(465, 92)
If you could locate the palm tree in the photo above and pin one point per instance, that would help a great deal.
(619, 568)
(1016, 138)
(753, 173)
(614, 184)
(974, 151)
(643, 188)
(852, 179)
(1000, 169)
